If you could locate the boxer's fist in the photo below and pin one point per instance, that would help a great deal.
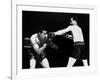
(69, 36)
(51, 34)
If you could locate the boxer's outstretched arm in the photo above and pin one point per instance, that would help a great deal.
(61, 32)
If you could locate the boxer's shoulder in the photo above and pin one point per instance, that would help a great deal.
(33, 36)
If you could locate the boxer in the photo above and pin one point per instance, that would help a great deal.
(78, 42)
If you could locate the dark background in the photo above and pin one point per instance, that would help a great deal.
(31, 21)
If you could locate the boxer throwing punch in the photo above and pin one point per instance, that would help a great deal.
(78, 42)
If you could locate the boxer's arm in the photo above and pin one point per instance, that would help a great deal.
(39, 50)
(36, 46)
(61, 32)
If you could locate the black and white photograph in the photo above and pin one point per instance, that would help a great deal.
(55, 39)
(52, 40)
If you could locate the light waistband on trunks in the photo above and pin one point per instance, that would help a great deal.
(79, 43)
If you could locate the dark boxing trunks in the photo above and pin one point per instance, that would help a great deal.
(40, 57)
(78, 52)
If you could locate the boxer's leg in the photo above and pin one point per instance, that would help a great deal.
(45, 63)
(71, 62)
(75, 56)
(85, 62)
(32, 63)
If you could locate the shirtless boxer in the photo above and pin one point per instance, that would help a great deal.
(39, 45)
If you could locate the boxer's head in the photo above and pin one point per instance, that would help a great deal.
(43, 32)
(73, 21)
